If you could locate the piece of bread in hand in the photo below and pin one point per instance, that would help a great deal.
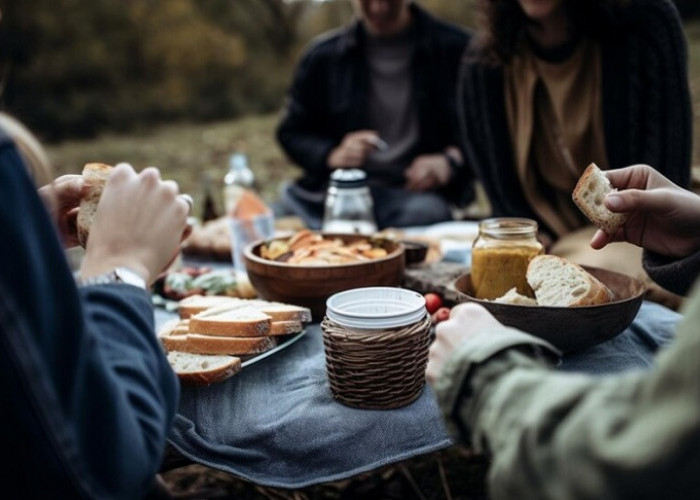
(94, 175)
(589, 193)
(561, 283)
(203, 369)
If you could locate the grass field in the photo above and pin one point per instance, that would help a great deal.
(189, 153)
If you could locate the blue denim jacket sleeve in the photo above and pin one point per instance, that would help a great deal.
(87, 392)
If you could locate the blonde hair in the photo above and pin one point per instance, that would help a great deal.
(30, 149)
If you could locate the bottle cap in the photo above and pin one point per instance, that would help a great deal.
(238, 161)
(349, 178)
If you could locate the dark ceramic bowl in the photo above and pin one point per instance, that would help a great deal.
(310, 286)
(415, 251)
(569, 328)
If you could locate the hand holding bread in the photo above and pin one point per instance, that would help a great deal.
(133, 219)
(661, 216)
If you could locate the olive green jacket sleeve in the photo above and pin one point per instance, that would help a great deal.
(556, 435)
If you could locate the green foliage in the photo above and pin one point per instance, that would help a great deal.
(78, 68)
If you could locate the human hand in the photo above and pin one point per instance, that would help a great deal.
(427, 172)
(466, 320)
(661, 216)
(62, 199)
(353, 149)
(139, 224)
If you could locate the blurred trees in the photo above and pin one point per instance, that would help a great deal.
(75, 68)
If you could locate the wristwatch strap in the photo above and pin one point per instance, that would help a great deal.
(117, 275)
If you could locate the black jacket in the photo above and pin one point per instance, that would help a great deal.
(646, 105)
(327, 97)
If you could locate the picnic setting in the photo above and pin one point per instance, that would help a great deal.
(339, 249)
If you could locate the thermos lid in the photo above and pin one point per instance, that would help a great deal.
(349, 178)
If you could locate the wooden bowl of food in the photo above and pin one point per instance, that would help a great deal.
(569, 328)
(310, 267)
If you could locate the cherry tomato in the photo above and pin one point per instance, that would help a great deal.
(433, 302)
(441, 314)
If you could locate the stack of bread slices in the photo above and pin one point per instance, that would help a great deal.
(213, 334)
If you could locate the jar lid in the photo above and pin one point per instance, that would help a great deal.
(508, 227)
(376, 307)
(349, 178)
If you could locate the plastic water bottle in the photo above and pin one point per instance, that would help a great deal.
(348, 206)
(237, 180)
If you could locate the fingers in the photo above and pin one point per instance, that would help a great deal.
(188, 201)
(600, 239)
(637, 200)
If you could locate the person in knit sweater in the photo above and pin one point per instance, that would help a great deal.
(547, 87)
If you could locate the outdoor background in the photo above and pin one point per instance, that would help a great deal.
(180, 84)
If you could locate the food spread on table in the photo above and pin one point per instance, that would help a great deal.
(314, 249)
(187, 281)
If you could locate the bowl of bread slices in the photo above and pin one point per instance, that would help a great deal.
(574, 307)
(571, 306)
(308, 267)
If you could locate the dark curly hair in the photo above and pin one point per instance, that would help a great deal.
(503, 24)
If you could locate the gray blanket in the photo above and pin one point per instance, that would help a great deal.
(277, 424)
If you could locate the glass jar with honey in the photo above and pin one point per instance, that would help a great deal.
(500, 255)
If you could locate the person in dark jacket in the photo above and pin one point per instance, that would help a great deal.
(88, 394)
(552, 435)
(379, 95)
(548, 87)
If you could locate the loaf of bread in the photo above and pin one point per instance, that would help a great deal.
(589, 193)
(94, 176)
(561, 283)
(203, 369)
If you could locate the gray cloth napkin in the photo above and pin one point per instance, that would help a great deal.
(276, 423)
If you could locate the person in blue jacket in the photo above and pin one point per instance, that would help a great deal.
(88, 395)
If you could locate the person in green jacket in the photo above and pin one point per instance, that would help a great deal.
(557, 435)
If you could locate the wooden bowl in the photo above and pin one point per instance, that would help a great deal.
(569, 328)
(310, 286)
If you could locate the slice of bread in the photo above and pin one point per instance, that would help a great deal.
(212, 344)
(203, 369)
(513, 297)
(238, 322)
(589, 194)
(195, 304)
(94, 175)
(561, 283)
(285, 327)
(278, 311)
